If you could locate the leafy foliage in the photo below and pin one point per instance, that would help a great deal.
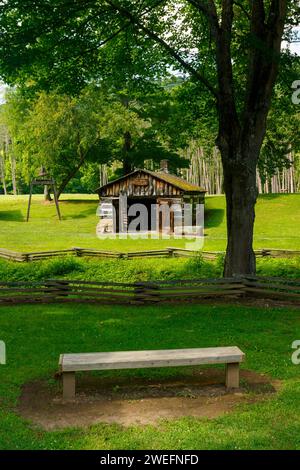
(65, 134)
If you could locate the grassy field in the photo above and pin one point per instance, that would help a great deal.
(277, 225)
(36, 337)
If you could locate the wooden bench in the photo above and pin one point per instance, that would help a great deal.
(71, 363)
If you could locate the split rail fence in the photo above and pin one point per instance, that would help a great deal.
(179, 291)
(167, 252)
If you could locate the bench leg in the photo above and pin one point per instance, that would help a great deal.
(233, 375)
(68, 385)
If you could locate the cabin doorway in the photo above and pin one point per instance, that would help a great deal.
(145, 213)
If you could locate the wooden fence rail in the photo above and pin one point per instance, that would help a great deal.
(167, 252)
(188, 290)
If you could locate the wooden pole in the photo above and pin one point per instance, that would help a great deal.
(56, 200)
(29, 203)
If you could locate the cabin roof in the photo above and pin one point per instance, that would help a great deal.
(174, 180)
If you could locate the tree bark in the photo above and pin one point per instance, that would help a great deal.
(102, 175)
(13, 174)
(2, 170)
(241, 194)
(127, 164)
(70, 175)
(47, 195)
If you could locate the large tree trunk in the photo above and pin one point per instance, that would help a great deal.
(240, 149)
(241, 194)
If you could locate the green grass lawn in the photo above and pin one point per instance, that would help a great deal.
(277, 225)
(36, 336)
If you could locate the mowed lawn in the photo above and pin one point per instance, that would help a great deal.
(36, 336)
(277, 225)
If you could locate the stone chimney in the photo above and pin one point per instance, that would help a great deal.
(164, 166)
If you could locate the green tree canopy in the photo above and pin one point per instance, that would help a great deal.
(64, 133)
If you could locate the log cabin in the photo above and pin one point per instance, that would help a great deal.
(156, 191)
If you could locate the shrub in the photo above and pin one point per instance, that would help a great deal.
(122, 270)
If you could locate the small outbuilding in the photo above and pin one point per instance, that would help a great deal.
(153, 190)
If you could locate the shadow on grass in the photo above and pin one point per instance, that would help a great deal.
(82, 214)
(272, 195)
(214, 217)
(12, 216)
(79, 201)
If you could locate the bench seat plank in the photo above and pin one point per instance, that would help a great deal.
(151, 358)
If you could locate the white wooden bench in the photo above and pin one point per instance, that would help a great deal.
(71, 363)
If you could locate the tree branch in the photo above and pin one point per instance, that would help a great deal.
(264, 58)
(209, 10)
(173, 53)
(243, 9)
(229, 119)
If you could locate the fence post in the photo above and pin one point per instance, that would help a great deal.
(139, 292)
(145, 292)
(239, 279)
(78, 251)
(59, 288)
(64, 288)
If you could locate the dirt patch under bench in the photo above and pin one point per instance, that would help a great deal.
(130, 401)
